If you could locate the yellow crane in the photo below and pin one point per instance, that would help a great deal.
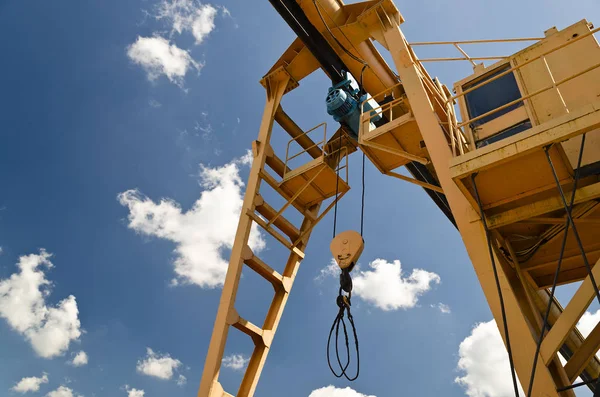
(517, 171)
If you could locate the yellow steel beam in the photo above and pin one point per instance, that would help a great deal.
(577, 122)
(542, 207)
(584, 354)
(560, 221)
(397, 152)
(416, 182)
(472, 233)
(569, 317)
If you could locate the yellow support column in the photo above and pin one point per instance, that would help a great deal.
(276, 84)
(467, 219)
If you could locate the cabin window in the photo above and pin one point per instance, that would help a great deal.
(492, 95)
(515, 129)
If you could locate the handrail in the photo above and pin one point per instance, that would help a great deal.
(422, 43)
(463, 59)
(512, 69)
(338, 167)
(321, 145)
(316, 144)
(466, 56)
(389, 89)
(554, 85)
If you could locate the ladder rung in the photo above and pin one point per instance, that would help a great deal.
(275, 234)
(268, 273)
(258, 335)
(263, 208)
(250, 329)
(273, 183)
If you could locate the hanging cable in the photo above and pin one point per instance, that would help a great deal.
(574, 227)
(346, 248)
(556, 273)
(343, 302)
(575, 385)
(362, 204)
(502, 309)
(570, 218)
(337, 182)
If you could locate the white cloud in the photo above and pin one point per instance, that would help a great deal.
(62, 391)
(189, 15)
(132, 392)
(444, 308)
(332, 269)
(181, 381)
(484, 361)
(385, 287)
(158, 56)
(587, 322)
(237, 362)
(30, 384)
(331, 391)
(50, 330)
(80, 359)
(154, 103)
(158, 365)
(202, 233)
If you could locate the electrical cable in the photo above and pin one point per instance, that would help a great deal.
(337, 182)
(497, 279)
(362, 204)
(556, 274)
(575, 385)
(570, 219)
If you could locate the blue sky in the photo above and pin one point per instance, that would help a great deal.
(94, 135)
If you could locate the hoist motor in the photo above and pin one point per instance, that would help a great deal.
(344, 104)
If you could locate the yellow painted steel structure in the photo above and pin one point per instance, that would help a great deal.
(558, 80)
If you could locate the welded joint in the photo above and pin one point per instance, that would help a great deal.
(287, 282)
(277, 76)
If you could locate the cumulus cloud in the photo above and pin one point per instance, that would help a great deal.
(237, 362)
(30, 384)
(385, 286)
(201, 234)
(62, 391)
(132, 392)
(332, 269)
(331, 391)
(483, 360)
(157, 56)
(189, 15)
(160, 366)
(181, 381)
(50, 330)
(442, 307)
(587, 322)
(80, 359)
(154, 103)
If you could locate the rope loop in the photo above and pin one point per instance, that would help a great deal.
(343, 303)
